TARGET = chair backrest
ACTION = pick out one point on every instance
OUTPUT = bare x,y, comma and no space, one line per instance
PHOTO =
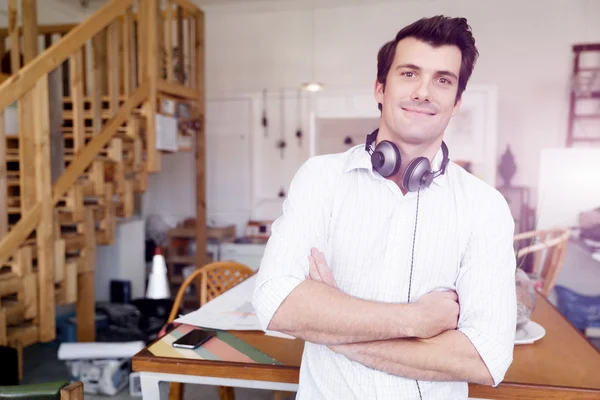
50,390
547,249
212,280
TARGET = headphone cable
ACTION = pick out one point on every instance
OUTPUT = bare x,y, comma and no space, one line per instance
412,260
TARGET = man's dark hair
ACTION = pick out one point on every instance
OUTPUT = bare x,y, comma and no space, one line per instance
435,31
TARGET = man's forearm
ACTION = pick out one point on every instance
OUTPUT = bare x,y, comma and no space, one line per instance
449,356
318,313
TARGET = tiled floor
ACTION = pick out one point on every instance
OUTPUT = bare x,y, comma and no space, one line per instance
42,365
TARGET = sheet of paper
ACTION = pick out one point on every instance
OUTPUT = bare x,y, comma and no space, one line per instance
98,350
166,132
232,310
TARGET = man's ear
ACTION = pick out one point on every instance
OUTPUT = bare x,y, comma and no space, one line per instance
378,91
456,108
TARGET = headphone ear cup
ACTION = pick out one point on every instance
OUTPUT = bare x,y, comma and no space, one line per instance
415,172
386,158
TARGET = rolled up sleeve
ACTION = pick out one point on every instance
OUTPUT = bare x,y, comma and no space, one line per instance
301,226
486,287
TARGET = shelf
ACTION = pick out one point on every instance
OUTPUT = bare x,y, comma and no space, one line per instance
182,232
181,260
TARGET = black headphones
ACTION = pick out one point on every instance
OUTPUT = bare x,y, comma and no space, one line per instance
386,161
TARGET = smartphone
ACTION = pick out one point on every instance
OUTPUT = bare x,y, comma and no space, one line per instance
194,339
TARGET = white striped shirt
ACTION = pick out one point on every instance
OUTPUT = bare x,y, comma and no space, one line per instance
364,226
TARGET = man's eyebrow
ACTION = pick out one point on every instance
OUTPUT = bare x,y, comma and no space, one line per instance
417,68
447,73
409,66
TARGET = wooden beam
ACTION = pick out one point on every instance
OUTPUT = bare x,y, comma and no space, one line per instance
178,90
23,265
169,42
23,81
45,29
84,308
76,77
14,41
77,98
189,7
45,228
128,63
74,391
192,52
23,228
30,31
153,64
28,296
200,154
3,338
25,111
141,46
26,152
3,44
60,258
113,66
3,180
180,44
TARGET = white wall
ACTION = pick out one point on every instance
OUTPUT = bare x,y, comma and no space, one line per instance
525,49
56,11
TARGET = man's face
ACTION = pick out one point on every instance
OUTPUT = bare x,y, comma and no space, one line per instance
420,93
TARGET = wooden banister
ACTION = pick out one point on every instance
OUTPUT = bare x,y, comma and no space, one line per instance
57,29
111,34
29,221
23,81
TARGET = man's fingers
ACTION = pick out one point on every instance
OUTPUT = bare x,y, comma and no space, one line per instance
451,295
313,270
323,269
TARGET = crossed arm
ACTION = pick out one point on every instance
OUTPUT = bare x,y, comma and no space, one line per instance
394,338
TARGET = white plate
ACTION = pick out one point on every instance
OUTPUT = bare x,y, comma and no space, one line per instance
530,333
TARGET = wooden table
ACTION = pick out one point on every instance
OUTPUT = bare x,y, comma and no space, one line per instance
562,365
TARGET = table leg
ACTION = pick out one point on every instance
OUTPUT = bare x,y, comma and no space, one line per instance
150,389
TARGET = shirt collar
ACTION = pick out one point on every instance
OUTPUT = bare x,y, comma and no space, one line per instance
360,159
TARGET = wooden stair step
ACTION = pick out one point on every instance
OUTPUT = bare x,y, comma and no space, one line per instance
23,334
73,241
89,131
71,157
12,181
65,215
11,156
14,311
13,201
105,98
10,283
87,114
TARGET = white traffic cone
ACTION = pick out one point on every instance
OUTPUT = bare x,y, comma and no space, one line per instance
158,282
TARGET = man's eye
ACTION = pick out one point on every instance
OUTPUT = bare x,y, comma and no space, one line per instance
445,81
408,74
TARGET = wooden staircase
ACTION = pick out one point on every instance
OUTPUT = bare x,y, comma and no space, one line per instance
115,83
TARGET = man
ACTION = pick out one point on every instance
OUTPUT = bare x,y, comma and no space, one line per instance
400,279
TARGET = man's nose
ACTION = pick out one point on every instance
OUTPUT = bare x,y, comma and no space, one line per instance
422,93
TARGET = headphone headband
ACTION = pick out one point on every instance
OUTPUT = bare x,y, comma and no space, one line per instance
371,137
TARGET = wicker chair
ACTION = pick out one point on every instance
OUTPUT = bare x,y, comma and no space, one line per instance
213,279
547,249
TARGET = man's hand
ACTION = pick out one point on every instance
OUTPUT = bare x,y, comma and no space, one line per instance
318,268
438,312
